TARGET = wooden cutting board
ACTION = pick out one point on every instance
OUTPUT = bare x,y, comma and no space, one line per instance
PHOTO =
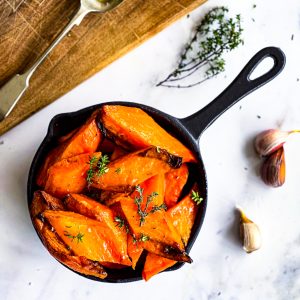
27,27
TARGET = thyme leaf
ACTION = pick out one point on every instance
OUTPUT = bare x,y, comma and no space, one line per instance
78,237
91,170
144,238
102,165
196,197
215,35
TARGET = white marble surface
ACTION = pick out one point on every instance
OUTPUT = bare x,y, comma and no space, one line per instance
221,270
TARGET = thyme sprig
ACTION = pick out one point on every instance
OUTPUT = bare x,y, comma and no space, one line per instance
122,224
78,237
216,34
102,165
97,166
143,213
196,197
91,170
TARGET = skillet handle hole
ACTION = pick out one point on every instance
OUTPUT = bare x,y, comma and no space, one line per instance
262,68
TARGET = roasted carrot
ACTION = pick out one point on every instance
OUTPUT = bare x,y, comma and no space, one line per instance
59,251
132,128
85,237
69,175
134,250
157,235
182,215
154,264
85,140
132,169
175,181
42,201
87,207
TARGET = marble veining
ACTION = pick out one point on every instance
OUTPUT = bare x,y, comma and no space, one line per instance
221,270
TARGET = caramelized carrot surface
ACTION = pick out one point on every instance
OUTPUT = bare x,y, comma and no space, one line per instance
182,215
175,181
132,169
85,237
135,129
87,207
85,140
58,249
69,175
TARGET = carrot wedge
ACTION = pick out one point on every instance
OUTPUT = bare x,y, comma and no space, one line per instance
155,264
85,140
132,169
87,207
59,251
134,250
132,128
175,181
68,175
182,215
85,237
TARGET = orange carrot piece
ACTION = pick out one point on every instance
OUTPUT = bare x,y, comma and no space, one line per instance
134,250
182,215
154,264
85,140
68,175
88,207
133,128
157,235
85,237
175,181
60,252
132,169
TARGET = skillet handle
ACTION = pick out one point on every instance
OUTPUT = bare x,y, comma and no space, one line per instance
241,86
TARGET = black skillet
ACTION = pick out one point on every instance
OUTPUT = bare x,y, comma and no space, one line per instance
188,130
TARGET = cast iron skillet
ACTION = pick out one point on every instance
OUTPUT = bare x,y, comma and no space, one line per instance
188,130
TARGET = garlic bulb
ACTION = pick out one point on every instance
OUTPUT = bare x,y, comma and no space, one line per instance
250,233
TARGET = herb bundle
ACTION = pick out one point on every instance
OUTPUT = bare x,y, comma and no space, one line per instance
215,35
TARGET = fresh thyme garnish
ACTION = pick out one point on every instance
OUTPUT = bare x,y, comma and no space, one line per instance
138,201
91,170
215,35
144,238
120,222
118,170
102,165
79,236
196,197
157,149
97,164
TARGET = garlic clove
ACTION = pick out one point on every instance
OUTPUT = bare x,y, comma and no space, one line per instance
271,140
273,169
250,233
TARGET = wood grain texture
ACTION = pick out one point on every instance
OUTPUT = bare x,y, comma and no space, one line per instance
27,27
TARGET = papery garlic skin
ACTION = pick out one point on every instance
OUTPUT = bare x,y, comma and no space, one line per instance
273,169
268,141
249,232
